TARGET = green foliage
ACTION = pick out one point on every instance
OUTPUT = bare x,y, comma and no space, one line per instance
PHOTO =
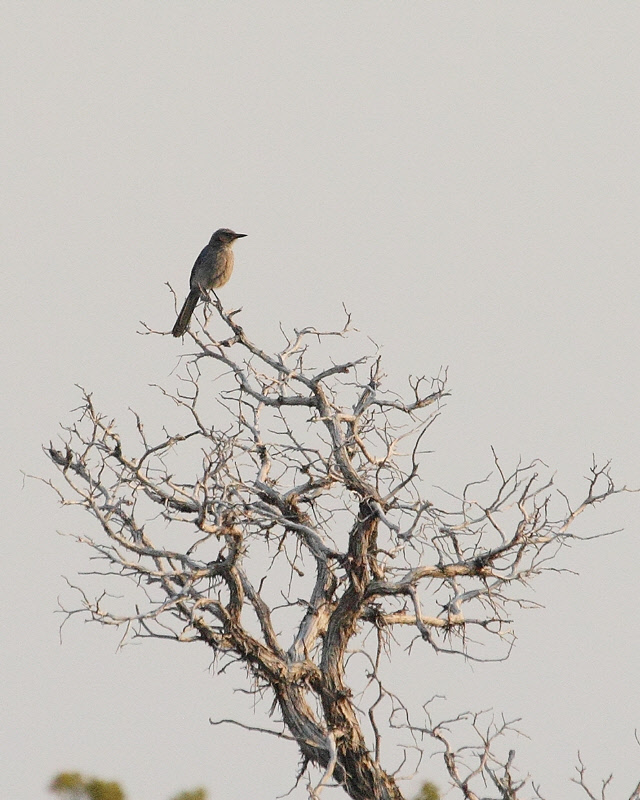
73,785
103,790
69,782
195,794
429,791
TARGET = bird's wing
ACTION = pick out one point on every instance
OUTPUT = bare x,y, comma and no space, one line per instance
197,269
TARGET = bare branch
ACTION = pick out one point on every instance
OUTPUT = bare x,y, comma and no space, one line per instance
287,529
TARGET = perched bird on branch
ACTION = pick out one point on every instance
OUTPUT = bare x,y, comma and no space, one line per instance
212,270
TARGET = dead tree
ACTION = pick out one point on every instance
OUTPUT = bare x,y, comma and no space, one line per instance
286,527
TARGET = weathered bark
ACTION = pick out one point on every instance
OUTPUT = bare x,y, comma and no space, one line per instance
364,779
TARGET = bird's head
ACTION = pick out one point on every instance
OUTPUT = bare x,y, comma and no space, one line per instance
226,236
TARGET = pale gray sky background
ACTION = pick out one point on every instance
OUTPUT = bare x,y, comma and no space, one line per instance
464,176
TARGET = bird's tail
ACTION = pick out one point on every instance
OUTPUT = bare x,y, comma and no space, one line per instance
184,317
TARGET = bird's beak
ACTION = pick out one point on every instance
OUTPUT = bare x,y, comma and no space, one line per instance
240,235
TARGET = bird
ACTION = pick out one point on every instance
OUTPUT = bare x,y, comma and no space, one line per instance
212,270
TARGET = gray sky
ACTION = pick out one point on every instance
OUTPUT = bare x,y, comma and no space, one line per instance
464,177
